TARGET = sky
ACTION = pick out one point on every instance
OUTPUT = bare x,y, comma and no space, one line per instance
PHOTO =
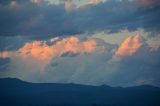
91,42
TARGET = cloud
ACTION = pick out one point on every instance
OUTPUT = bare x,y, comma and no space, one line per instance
69,5
134,59
94,1
43,21
89,61
148,3
41,53
4,54
123,66
81,68
10,43
88,2
40,49
35,41
129,64
4,60
130,46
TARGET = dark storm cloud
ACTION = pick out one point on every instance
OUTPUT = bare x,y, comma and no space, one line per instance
40,21
115,15
36,20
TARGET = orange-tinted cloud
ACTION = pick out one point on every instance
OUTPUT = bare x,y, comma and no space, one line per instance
36,55
41,51
69,5
4,54
94,1
129,46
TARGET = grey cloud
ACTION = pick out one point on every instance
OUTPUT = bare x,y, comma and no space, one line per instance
70,54
35,21
44,21
115,15
11,42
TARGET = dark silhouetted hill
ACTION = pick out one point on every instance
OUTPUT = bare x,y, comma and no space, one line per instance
14,92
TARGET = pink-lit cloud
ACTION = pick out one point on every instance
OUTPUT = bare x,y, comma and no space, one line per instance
41,51
69,5
129,46
94,1
4,54
95,64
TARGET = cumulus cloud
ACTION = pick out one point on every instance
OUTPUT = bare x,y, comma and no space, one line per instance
94,1
40,49
88,61
42,52
129,46
129,64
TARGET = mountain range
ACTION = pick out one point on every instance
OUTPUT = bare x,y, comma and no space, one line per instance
15,92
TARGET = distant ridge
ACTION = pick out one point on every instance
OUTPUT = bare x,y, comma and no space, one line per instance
14,92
